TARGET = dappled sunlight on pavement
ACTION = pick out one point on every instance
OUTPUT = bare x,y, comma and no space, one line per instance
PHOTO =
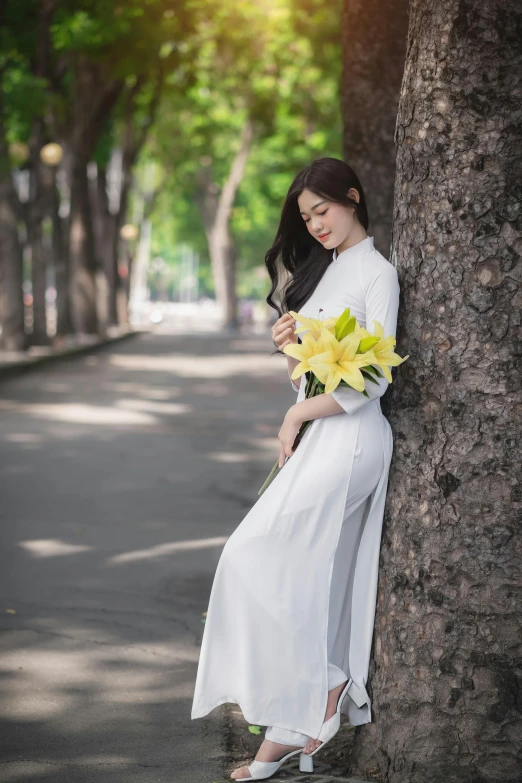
78,413
167,549
52,547
214,366
123,475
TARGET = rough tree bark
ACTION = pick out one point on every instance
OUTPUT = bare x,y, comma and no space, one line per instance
374,46
446,671
215,208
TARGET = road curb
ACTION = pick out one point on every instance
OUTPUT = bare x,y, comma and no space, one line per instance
10,369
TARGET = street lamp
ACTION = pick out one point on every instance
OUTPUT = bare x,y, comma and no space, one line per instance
129,231
51,154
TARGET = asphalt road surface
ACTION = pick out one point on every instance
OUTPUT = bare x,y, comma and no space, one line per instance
123,472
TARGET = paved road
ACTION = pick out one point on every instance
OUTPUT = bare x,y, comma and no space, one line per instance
122,474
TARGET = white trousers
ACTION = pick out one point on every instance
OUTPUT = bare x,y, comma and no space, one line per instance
340,598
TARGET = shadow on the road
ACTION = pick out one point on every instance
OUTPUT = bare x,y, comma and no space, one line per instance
123,474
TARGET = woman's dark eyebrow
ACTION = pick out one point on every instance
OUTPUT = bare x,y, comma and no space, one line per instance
315,205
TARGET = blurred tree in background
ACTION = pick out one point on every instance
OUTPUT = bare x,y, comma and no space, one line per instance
262,106
132,127
70,73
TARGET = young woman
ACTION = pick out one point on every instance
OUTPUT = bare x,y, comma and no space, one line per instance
291,613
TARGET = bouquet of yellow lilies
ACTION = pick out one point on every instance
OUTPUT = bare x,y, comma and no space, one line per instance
338,352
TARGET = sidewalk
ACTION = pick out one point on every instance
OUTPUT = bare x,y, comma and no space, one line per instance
17,362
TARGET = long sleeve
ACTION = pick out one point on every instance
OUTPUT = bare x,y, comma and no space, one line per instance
382,304
296,388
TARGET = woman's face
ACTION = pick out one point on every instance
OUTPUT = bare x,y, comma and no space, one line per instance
329,222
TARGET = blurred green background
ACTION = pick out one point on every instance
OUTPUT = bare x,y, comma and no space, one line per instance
146,150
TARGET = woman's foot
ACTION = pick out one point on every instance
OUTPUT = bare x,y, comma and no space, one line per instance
331,708
268,751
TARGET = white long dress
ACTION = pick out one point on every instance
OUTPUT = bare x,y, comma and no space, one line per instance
292,607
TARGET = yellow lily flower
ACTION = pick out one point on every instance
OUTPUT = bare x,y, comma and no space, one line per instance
340,361
313,325
304,352
384,353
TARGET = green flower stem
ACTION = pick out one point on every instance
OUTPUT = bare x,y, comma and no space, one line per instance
312,389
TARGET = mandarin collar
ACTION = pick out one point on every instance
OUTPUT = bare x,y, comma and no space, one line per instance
364,244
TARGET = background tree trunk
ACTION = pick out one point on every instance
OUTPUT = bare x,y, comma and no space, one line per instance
34,220
104,226
130,150
61,265
113,224
94,100
216,209
13,335
82,252
448,627
374,46
134,136
38,273
36,206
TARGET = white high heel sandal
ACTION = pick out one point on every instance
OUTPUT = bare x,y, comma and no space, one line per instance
260,770
331,726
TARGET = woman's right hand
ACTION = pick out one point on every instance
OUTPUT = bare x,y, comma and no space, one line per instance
283,331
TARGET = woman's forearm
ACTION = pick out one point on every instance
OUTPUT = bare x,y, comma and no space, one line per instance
315,408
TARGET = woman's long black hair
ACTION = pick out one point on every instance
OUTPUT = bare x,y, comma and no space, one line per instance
294,248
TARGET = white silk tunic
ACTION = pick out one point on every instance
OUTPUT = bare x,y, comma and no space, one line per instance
264,643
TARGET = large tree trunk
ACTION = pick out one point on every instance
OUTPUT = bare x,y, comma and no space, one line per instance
93,100
38,274
133,139
13,336
106,222
61,266
117,287
82,252
39,187
34,218
104,227
446,675
216,211
374,46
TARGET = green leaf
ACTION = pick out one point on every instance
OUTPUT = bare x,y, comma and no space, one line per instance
370,368
367,343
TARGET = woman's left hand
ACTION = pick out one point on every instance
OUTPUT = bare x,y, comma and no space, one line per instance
287,434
